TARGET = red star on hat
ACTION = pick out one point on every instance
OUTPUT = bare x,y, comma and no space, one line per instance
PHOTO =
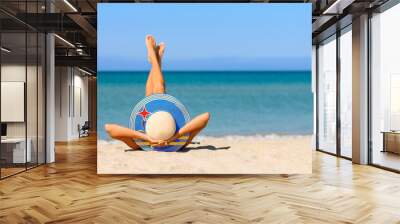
144,113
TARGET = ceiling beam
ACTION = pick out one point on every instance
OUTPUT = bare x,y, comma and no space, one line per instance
81,61
337,6
86,26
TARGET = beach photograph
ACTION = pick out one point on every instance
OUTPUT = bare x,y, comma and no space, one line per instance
180,93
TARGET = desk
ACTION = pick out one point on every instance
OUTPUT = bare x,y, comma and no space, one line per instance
391,141
13,150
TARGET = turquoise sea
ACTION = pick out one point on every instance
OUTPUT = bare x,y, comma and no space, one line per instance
240,103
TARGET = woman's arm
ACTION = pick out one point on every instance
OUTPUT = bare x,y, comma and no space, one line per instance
122,133
118,132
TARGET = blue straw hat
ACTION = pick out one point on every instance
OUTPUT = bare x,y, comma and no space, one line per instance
155,103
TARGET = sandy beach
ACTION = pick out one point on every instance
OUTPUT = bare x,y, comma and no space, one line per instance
214,155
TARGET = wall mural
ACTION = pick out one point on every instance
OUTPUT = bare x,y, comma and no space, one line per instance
204,88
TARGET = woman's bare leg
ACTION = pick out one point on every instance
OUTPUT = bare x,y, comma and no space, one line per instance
149,84
157,79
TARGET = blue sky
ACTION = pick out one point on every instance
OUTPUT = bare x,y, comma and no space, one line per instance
206,36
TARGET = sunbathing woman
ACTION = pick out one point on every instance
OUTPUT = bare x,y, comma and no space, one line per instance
156,85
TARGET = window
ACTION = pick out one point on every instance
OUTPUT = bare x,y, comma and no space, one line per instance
22,88
346,92
327,95
385,89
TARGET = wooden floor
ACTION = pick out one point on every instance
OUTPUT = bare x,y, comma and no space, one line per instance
5,172
387,159
70,191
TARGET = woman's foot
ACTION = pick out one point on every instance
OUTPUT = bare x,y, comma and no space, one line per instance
151,48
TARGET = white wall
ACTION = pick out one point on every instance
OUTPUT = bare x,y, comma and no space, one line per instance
61,103
71,87
80,110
